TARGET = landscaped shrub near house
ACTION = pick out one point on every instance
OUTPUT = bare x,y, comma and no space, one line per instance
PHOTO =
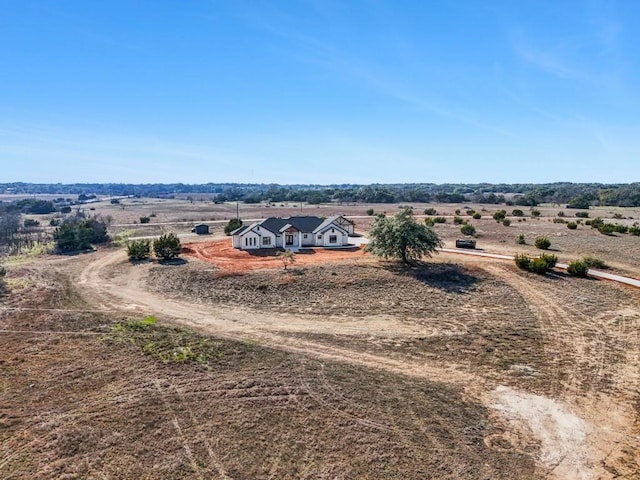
578,268
233,224
572,225
138,250
430,211
543,243
468,229
477,216
167,246
582,214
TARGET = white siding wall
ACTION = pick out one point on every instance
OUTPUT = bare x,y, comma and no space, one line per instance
250,241
235,241
309,241
272,239
341,238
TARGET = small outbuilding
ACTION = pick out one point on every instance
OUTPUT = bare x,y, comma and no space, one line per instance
201,229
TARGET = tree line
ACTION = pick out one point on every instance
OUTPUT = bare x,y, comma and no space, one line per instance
578,194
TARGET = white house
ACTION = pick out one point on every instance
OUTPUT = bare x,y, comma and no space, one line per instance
294,233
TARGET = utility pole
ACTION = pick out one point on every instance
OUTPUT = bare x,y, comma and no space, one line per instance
237,210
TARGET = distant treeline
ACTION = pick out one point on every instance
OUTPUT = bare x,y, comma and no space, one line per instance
578,195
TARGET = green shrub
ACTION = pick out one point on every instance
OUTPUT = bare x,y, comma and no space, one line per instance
634,230
606,228
500,215
621,228
471,212
506,222
429,222
543,243
559,220
618,216
594,262
167,246
145,219
578,268
543,263
370,212
523,261
138,250
430,211
468,229
517,213
572,225
520,239
595,222
233,224
457,211
477,216
582,214
458,220
561,214
3,271
439,220
535,213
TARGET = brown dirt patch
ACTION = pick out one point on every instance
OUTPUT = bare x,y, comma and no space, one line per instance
222,254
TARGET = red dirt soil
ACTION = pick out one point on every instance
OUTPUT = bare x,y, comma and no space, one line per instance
222,254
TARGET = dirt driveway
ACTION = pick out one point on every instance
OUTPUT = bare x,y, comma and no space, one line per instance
224,256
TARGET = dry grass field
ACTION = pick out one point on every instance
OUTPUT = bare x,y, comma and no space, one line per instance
343,368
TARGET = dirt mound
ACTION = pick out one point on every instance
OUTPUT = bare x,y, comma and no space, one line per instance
222,254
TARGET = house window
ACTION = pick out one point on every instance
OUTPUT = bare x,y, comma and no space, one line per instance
266,241
319,237
333,239
305,235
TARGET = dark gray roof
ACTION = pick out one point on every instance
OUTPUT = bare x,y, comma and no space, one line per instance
238,231
304,224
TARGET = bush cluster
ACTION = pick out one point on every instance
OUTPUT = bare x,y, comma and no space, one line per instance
477,216
167,246
458,220
543,243
468,229
540,265
582,214
520,239
430,211
139,250
233,224
572,225
500,215
578,268
439,220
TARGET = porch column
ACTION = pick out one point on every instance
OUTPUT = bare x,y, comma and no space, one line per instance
299,239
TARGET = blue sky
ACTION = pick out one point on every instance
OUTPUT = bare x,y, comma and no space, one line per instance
319,91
